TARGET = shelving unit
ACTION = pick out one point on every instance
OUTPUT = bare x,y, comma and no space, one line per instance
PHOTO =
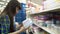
46,9
51,31
45,12
56,9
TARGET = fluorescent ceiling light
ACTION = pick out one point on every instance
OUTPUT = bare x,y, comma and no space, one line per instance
6,3
4,6
8,0
0,5
1,2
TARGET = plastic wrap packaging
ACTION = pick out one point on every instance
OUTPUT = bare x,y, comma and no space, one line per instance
28,22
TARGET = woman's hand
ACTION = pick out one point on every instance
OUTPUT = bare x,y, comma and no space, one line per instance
18,25
19,31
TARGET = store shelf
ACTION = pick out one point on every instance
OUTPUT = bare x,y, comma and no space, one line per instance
52,9
51,31
56,9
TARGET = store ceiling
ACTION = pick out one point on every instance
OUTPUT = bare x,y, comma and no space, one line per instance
3,2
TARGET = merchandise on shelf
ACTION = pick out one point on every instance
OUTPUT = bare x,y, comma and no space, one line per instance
47,20
57,20
38,30
51,20
50,4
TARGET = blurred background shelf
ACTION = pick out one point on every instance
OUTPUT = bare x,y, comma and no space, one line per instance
51,31
47,6
56,9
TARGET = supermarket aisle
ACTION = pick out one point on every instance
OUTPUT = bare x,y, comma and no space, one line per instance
45,15
35,17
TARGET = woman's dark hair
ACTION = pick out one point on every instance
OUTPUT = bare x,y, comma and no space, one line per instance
11,11
11,7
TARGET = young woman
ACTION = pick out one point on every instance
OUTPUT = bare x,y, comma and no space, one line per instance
6,18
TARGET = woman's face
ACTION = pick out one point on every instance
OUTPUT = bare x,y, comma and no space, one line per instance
17,9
